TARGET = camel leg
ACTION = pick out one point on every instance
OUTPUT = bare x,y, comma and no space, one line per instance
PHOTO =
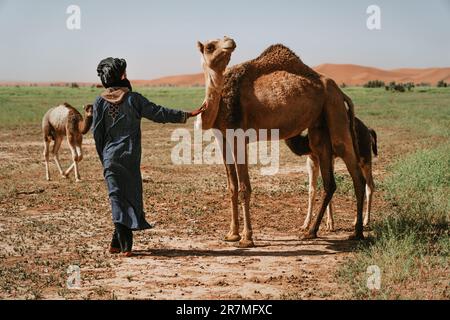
245,191
79,157
69,170
330,212
46,157
55,153
233,235
330,219
232,183
370,188
312,166
338,119
72,166
75,157
321,146
359,184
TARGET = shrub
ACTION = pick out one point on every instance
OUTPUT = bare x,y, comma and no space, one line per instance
410,86
399,87
374,84
442,84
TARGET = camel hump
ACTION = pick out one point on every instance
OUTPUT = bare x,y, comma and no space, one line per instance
279,53
278,57
71,109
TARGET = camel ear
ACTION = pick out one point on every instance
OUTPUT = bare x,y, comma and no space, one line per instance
200,46
88,107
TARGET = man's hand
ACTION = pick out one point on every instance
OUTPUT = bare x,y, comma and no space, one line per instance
198,111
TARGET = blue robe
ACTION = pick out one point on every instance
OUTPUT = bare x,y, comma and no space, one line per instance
117,138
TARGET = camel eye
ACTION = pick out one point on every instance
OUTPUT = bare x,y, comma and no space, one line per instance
210,47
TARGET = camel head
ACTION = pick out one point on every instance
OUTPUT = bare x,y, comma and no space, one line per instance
216,54
88,109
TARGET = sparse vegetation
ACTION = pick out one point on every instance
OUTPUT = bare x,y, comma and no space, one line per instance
410,242
410,239
400,87
374,84
442,84
42,234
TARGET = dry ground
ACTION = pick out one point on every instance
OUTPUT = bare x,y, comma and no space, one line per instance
47,226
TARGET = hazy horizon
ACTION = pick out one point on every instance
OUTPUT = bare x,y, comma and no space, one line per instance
158,39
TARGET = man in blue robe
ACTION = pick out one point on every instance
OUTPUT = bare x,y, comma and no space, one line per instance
117,133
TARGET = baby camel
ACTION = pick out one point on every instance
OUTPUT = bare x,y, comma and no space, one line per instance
367,142
65,121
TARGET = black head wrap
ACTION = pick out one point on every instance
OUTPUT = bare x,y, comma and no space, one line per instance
111,70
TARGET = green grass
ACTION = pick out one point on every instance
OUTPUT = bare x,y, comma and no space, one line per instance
411,241
22,106
425,111
410,238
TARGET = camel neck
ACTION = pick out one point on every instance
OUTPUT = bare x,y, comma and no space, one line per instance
214,85
85,124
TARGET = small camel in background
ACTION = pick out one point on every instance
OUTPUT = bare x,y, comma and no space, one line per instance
367,142
65,121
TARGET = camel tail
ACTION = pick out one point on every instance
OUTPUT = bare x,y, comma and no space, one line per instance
351,113
374,138
299,145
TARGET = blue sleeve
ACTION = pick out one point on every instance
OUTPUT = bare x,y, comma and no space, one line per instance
98,128
157,113
96,113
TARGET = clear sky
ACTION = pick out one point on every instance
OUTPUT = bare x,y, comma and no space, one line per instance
158,38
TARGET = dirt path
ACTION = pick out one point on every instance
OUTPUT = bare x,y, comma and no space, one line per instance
48,226
199,268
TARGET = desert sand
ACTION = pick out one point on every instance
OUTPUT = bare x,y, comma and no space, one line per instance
351,75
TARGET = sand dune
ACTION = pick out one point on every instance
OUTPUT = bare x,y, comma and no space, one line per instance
341,73
188,80
352,75
358,75
46,84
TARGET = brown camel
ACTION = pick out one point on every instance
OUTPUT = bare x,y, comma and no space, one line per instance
367,143
278,91
65,121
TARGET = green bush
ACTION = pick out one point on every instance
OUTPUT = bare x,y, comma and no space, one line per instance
400,87
374,84
442,84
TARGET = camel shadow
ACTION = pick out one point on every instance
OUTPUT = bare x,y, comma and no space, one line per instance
332,247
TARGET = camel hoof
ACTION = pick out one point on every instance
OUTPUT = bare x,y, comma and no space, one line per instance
232,238
356,236
330,229
304,228
64,176
246,244
308,236
78,181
